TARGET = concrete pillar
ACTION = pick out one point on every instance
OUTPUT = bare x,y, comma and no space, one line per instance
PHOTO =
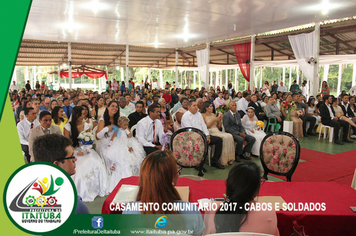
207,66
252,64
261,78
127,65
354,75
176,69
290,76
161,78
59,75
284,76
194,82
70,64
236,80
314,85
339,78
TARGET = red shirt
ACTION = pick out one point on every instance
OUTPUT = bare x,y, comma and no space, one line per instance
167,97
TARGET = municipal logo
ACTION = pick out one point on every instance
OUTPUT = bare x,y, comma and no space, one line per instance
39,197
161,222
97,222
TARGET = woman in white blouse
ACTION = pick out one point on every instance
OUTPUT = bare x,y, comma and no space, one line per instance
312,110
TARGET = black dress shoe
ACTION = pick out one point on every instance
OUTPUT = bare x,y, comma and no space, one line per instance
203,169
243,156
311,134
217,165
237,159
305,135
338,142
347,141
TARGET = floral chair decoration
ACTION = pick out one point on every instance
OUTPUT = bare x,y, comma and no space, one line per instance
190,147
279,154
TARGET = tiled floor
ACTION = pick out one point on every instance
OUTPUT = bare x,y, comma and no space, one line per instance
213,173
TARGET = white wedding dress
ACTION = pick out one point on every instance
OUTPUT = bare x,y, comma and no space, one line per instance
120,163
258,134
91,178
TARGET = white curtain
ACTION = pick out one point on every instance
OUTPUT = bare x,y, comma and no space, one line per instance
302,46
202,59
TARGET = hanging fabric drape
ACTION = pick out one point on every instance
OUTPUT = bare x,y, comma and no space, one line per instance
202,59
93,75
302,46
243,56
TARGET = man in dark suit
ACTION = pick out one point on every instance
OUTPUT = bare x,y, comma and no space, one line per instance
328,118
233,125
346,109
258,108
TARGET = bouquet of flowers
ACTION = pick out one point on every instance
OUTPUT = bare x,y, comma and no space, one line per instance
191,97
86,138
260,124
166,138
288,107
223,109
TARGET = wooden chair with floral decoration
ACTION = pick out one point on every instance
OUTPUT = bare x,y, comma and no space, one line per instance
190,147
279,154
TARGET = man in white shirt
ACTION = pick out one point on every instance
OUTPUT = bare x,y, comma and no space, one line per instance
149,130
242,104
24,127
124,109
282,88
193,118
142,85
129,104
14,86
114,85
155,84
36,106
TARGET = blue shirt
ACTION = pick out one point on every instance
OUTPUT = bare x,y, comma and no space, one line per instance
81,207
43,108
67,111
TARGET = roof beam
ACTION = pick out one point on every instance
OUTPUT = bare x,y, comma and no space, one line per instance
116,57
184,58
340,41
162,59
277,50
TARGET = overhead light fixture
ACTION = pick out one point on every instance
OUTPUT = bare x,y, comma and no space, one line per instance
95,6
325,7
118,68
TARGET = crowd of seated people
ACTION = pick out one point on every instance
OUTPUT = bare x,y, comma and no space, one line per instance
227,117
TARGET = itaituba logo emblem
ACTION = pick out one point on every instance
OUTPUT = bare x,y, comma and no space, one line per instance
48,199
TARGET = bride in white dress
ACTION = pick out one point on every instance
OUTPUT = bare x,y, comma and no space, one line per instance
249,122
117,167
90,178
125,148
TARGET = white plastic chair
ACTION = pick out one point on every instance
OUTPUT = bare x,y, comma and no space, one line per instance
133,128
330,132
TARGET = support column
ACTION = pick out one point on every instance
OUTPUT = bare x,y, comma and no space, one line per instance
297,74
34,77
149,76
176,69
326,72
339,80
284,76
127,65
185,79
70,64
199,80
206,84
236,81
252,64
59,75
211,80
290,77
226,78
161,78
221,80
314,84
122,74
354,75
194,82
261,78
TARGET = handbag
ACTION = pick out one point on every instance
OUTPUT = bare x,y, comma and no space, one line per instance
298,230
